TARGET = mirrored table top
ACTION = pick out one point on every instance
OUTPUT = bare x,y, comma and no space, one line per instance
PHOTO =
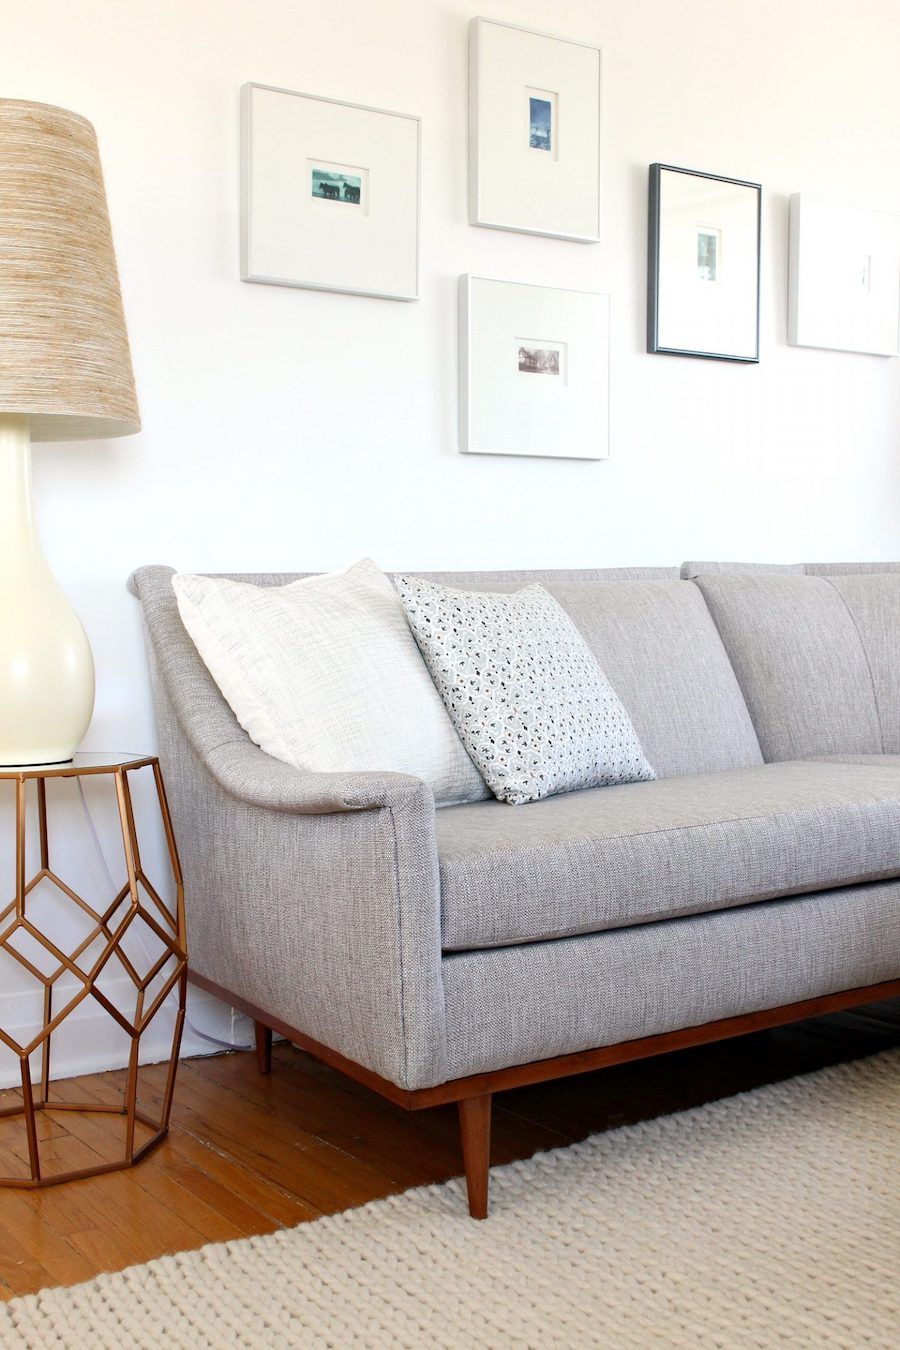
84,762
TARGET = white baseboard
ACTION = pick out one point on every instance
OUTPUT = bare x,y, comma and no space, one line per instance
90,1042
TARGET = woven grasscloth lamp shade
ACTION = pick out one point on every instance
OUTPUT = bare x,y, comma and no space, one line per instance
64,356
65,374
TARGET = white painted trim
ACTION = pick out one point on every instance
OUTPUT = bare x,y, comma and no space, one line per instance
94,1044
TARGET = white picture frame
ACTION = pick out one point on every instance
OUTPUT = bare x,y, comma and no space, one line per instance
534,132
330,196
844,277
533,369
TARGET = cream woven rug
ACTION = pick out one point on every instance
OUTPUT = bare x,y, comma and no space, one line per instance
770,1219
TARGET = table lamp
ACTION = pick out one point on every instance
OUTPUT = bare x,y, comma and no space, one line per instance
65,375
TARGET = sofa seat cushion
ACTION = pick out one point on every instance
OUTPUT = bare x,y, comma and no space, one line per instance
610,857
885,761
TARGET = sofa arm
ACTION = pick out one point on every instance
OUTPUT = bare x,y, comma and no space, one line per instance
313,897
248,773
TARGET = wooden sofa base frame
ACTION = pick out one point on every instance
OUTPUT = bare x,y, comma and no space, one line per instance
473,1094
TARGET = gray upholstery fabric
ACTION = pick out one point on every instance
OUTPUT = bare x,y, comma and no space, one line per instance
299,899
516,1004
578,576
848,569
873,602
254,777
590,861
870,592
691,570
500,580
799,661
886,761
660,651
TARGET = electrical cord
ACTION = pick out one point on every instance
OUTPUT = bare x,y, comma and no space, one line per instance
203,1035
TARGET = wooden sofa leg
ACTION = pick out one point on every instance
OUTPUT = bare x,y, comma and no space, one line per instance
263,1047
475,1129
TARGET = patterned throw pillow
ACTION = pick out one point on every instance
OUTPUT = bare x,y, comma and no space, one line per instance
530,703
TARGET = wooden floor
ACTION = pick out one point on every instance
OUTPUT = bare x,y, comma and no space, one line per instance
249,1155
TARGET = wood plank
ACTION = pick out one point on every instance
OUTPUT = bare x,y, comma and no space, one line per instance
159,1177
274,1203
238,1216
279,1208
274,1146
44,1253
22,1274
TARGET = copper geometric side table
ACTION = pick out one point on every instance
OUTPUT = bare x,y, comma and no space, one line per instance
136,944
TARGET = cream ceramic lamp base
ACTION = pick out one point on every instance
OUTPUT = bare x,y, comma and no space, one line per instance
46,667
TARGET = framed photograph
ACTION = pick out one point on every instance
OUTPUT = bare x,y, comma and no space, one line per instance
329,195
703,265
534,132
533,370
844,278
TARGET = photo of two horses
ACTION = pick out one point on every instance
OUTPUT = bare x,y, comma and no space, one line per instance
336,187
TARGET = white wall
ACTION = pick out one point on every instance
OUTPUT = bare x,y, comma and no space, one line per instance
288,429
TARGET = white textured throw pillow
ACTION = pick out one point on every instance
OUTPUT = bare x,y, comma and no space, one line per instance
533,708
325,675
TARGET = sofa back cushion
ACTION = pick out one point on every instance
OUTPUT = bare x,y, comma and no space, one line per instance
873,602
802,662
653,637
655,640
691,570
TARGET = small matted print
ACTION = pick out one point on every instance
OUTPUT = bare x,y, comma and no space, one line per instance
337,185
704,247
540,357
534,370
708,254
534,132
540,121
329,194
539,360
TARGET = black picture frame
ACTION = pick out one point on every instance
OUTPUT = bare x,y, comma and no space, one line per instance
655,282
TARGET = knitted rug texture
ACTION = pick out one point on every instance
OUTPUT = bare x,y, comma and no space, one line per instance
768,1219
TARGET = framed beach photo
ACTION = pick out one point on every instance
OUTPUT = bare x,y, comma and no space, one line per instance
844,277
534,132
533,370
329,194
703,265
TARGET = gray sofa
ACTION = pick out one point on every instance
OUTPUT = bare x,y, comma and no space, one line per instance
445,955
